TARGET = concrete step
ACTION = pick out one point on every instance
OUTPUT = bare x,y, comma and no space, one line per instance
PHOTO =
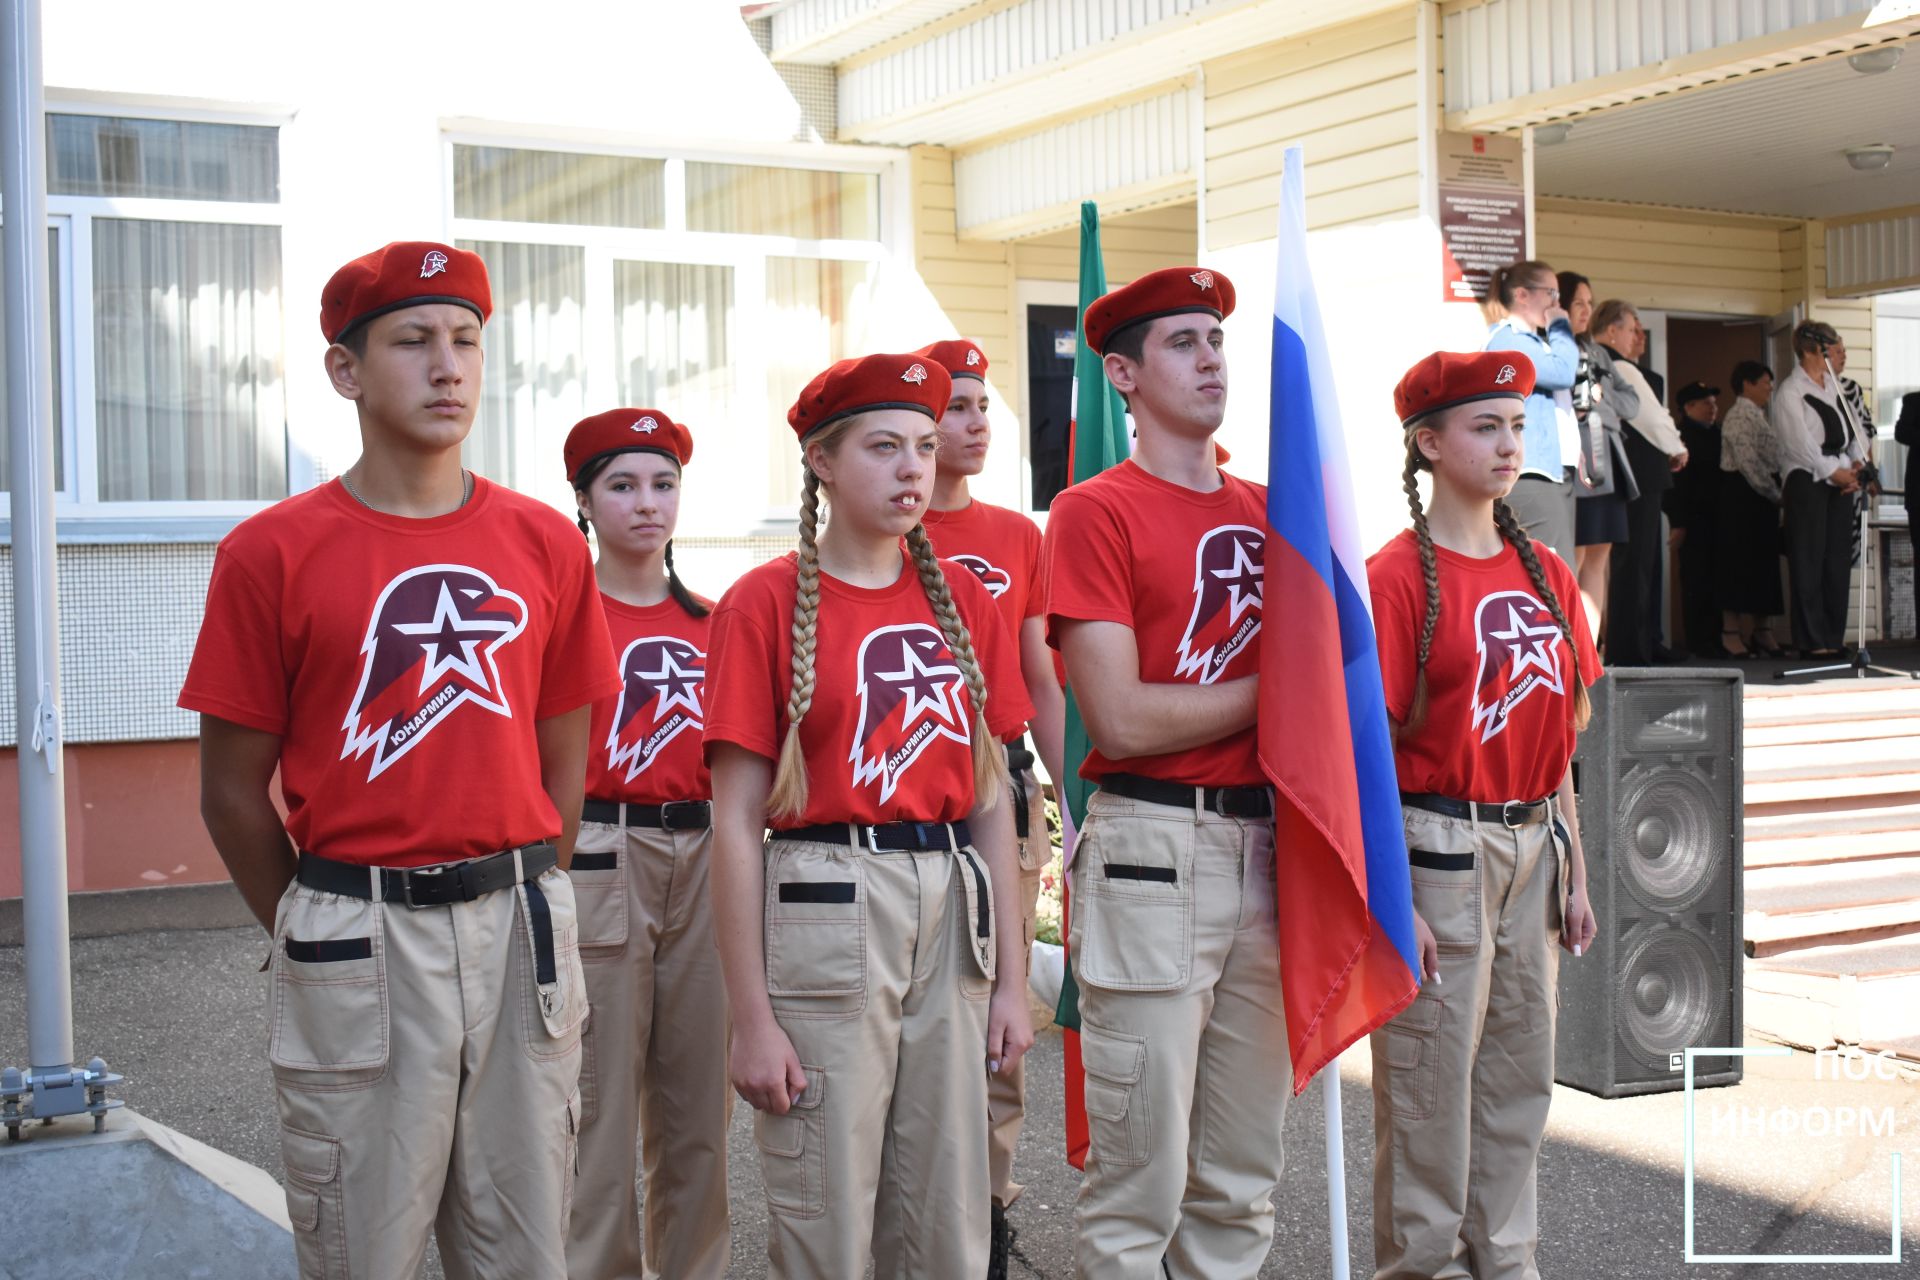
1837,761
1833,815
1864,728
1827,848
1769,935
1864,993
1784,697
1783,890
1819,787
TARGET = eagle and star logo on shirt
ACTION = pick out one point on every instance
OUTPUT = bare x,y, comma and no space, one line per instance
1518,643
1228,580
447,622
659,700
912,693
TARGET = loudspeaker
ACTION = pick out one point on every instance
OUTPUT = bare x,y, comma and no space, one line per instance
1657,774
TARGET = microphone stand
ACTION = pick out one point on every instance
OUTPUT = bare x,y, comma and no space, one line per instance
1862,661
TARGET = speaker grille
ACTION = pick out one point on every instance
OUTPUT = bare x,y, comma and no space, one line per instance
1670,837
1670,993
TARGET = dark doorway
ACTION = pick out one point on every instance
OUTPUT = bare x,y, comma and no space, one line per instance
1706,351
1700,350
1052,333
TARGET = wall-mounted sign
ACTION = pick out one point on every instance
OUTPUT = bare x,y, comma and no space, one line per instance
1483,211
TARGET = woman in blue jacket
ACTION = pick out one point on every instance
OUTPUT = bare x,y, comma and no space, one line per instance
1536,326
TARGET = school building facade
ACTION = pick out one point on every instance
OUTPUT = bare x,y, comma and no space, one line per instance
700,210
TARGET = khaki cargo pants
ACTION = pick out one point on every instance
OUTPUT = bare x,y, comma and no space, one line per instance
1007,1093
1462,1078
653,1072
1176,947
880,966
423,1084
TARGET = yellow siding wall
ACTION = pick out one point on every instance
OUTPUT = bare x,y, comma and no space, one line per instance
1851,317
1133,245
971,280
1667,259
1349,95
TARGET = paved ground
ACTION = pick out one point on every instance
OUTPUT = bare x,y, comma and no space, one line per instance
180,1014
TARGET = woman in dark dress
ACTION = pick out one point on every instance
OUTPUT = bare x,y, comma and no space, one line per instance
1748,554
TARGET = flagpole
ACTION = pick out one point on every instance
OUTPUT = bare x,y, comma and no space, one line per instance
1336,1170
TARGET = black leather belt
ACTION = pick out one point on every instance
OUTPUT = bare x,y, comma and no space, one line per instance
675,815
888,837
437,886
1228,802
1508,813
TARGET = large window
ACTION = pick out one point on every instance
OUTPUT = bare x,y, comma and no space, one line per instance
168,333
709,290
56,359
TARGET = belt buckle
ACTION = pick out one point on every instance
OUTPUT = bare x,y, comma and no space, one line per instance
873,843
1506,814
669,811
424,874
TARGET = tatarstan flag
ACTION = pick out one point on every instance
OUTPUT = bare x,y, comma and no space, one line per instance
1096,440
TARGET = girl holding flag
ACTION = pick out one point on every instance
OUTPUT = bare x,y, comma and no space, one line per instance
1486,676
863,689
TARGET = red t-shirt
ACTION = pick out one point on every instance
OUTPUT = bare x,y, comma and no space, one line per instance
404,664
645,747
889,735
1002,548
1184,570
1499,679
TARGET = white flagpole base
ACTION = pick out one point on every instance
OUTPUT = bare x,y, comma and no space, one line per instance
1336,1171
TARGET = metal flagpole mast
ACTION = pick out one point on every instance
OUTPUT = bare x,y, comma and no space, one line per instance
1336,1170
52,1085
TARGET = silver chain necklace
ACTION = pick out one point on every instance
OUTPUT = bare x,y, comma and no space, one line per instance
466,490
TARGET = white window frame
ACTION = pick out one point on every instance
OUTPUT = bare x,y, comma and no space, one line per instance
72,274
674,244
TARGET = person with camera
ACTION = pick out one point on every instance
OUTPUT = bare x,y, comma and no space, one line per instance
1823,456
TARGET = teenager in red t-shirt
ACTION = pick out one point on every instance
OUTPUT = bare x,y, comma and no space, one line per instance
1486,675
656,1046
1154,596
1002,548
415,650
860,693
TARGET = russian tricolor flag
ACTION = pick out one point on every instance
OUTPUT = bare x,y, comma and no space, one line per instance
1348,960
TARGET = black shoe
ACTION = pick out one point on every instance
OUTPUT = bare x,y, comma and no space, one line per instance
1665,657
997,1246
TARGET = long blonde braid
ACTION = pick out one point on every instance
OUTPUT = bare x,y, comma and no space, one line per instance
990,776
1510,529
1429,572
788,799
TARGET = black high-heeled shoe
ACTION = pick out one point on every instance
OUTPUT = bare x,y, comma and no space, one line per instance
1771,649
1729,637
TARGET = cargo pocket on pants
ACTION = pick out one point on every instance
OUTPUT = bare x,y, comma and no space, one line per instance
329,1017
1413,1044
816,933
1118,1120
793,1152
314,1203
1444,862
599,874
553,985
976,976
1133,904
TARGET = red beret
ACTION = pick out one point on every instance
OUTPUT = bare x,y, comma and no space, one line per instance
960,357
626,431
864,383
407,273
1170,292
1447,378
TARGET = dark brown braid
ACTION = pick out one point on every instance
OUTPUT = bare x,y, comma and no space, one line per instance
1429,572
1510,529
